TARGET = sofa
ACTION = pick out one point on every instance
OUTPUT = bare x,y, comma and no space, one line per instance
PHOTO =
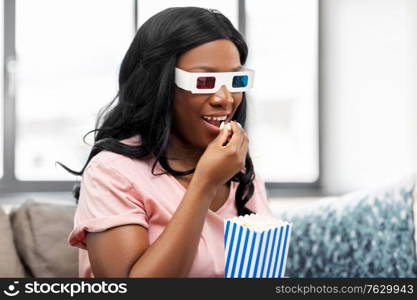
33,240
367,233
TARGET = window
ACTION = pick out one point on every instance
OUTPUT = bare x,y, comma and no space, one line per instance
283,106
68,56
62,62
1,89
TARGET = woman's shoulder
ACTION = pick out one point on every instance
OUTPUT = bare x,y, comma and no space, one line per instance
259,200
120,162
132,141
258,181
106,156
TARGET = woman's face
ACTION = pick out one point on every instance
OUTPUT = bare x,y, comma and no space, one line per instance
188,109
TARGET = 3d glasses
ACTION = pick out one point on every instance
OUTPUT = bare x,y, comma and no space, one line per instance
207,83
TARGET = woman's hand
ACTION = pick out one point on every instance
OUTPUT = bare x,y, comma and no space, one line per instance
224,157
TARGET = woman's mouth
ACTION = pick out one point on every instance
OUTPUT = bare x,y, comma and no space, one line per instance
213,123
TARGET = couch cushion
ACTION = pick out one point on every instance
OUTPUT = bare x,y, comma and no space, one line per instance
415,212
10,265
40,232
368,233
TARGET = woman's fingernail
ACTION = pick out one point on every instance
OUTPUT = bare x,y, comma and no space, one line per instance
229,126
239,125
221,125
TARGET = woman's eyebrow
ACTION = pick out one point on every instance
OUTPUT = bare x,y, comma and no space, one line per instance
210,69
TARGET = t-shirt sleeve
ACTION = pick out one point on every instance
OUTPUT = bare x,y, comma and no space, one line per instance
259,202
107,199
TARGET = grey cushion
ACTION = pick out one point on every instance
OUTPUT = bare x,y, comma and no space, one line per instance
40,232
369,233
10,265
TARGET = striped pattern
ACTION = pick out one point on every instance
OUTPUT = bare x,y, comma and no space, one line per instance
252,254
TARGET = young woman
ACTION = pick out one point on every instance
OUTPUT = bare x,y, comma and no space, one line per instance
162,175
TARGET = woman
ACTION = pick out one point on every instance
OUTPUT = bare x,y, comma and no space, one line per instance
162,176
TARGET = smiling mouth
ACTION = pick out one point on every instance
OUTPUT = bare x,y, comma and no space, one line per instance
216,121
213,122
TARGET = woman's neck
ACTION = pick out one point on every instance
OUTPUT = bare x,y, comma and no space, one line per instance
181,156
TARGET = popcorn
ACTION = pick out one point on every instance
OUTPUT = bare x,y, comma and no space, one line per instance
256,246
223,124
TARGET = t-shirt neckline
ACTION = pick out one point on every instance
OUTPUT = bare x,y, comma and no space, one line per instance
183,189
219,210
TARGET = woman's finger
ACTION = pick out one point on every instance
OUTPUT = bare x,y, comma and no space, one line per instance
237,134
223,135
245,137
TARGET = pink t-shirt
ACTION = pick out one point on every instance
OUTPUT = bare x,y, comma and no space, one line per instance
117,190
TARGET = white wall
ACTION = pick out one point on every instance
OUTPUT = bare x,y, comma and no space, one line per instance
369,92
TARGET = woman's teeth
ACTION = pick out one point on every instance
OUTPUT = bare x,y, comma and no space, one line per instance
213,122
216,121
222,118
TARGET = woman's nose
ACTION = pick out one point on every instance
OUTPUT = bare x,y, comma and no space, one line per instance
222,97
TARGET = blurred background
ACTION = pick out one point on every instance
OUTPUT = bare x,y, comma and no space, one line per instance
333,109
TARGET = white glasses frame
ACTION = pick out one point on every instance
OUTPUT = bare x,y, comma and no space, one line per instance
187,80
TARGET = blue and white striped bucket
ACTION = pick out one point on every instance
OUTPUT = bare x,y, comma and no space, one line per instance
255,254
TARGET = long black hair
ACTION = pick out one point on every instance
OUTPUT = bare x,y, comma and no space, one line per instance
142,106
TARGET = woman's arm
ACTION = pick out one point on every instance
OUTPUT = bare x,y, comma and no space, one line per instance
172,254
124,251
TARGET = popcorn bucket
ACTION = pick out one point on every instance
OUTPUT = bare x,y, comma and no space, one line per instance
256,246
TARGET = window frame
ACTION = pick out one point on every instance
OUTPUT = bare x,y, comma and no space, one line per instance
10,184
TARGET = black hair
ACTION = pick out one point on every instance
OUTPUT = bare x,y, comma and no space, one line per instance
142,106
